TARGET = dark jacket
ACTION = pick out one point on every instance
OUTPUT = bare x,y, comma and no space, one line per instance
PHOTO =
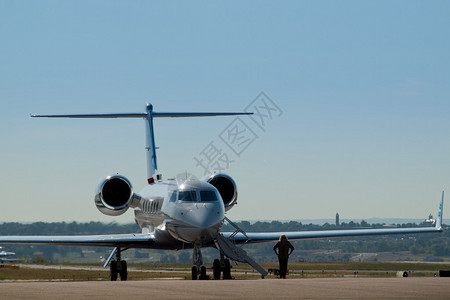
283,249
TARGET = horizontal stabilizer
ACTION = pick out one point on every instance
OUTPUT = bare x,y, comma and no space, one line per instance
122,115
152,166
144,115
198,114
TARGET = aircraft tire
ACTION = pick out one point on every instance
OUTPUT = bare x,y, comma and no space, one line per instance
113,270
227,269
194,273
203,273
123,271
216,269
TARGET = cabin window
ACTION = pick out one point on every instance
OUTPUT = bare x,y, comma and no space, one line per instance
188,196
208,196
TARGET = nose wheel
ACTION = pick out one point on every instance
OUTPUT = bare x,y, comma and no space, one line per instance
199,275
198,271
194,273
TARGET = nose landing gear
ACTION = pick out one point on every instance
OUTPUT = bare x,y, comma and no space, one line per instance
198,269
220,266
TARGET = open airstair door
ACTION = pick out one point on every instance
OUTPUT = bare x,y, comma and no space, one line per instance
230,250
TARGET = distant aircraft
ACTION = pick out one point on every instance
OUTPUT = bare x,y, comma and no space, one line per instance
181,214
4,256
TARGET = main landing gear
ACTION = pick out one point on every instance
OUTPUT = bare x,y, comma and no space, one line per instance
118,266
222,266
219,266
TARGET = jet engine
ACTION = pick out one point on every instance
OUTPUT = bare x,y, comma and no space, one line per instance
226,187
115,195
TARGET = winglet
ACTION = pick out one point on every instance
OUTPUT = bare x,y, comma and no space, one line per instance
439,218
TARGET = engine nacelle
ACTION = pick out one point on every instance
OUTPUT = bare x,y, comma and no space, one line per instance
115,195
226,187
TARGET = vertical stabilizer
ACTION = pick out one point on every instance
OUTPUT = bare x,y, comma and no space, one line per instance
441,207
152,166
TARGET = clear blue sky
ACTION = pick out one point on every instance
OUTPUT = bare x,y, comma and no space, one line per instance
364,89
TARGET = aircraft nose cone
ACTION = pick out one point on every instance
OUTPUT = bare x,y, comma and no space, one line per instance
202,223
204,216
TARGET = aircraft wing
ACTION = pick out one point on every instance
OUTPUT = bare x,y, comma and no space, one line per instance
113,240
259,237
2,260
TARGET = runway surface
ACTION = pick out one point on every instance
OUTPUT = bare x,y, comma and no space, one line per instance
306,288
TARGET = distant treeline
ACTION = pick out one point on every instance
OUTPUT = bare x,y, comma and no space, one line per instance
428,246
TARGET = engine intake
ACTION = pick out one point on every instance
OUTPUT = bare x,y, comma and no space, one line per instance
114,195
226,187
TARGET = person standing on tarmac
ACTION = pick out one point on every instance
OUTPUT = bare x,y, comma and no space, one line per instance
285,249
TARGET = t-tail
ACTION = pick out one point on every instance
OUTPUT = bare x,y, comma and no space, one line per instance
152,164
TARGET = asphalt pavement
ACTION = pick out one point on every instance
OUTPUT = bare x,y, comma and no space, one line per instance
305,288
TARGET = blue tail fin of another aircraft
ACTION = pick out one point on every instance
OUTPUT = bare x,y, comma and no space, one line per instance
440,212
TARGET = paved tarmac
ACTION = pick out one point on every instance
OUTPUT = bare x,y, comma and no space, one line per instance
305,288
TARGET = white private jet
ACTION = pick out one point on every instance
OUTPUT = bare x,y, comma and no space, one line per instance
5,256
182,214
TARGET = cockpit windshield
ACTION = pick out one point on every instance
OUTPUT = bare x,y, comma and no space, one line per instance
208,196
192,196
173,198
187,196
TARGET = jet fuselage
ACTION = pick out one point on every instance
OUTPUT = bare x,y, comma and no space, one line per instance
190,212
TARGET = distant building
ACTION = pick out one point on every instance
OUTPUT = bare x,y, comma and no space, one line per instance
430,222
337,220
